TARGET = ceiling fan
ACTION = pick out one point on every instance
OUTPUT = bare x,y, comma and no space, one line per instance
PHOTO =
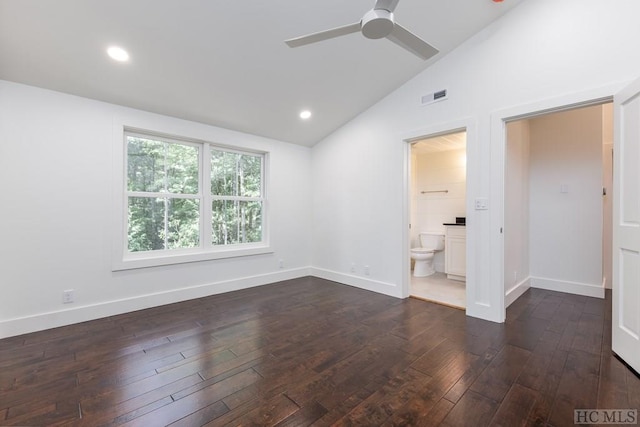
375,24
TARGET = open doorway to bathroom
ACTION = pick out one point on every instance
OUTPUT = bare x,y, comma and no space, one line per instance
438,219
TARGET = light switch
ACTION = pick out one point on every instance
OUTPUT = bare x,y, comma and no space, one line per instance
482,204
564,188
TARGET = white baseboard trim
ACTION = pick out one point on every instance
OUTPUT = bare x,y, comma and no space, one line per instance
596,291
358,282
54,319
516,292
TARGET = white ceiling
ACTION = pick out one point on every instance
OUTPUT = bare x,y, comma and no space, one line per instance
436,144
225,63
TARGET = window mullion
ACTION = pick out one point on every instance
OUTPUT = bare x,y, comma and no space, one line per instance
166,200
158,195
263,197
238,198
205,191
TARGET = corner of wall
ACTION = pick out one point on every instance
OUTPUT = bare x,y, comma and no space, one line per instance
516,292
358,282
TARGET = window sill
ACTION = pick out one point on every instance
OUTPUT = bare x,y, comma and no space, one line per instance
147,259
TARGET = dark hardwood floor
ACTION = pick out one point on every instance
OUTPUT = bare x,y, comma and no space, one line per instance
313,352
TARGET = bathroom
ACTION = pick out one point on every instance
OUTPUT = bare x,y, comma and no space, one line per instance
438,219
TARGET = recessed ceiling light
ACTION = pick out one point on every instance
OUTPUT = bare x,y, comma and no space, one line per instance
305,114
118,53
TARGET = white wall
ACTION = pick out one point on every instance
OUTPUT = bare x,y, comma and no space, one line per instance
542,49
516,210
566,227
56,215
445,170
413,187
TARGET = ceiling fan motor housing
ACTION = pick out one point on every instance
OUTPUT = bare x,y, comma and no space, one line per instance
377,23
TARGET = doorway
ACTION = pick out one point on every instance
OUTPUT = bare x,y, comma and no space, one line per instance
557,210
438,218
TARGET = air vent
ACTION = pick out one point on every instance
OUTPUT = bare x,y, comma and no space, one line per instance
430,98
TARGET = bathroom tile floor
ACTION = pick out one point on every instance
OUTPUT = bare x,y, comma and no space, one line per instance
438,288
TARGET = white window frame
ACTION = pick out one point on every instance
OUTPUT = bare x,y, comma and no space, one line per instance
125,260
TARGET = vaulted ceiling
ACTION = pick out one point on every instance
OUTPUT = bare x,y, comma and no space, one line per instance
225,63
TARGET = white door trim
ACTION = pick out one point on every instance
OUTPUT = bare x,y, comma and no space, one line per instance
469,125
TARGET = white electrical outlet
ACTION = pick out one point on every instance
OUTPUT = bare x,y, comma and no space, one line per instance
67,296
281,263
367,270
353,267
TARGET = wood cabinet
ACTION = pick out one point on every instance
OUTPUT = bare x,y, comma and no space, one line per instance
455,248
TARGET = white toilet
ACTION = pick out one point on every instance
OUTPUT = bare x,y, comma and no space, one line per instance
430,243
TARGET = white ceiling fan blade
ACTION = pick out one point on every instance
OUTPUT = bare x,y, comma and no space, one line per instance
389,5
323,35
414,44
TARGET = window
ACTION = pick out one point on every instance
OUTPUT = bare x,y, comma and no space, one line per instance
163,195
236,190
185,197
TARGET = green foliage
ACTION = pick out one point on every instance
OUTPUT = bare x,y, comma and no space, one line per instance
235,174
236,221
146,224
159,223
158,166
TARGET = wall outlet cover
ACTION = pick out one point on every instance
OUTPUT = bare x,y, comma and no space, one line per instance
67,296
482,204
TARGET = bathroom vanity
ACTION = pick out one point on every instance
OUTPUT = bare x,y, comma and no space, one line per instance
455,262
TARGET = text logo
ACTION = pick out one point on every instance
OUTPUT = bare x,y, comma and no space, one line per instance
605,416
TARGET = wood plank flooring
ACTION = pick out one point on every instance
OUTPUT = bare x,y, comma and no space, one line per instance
313,352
